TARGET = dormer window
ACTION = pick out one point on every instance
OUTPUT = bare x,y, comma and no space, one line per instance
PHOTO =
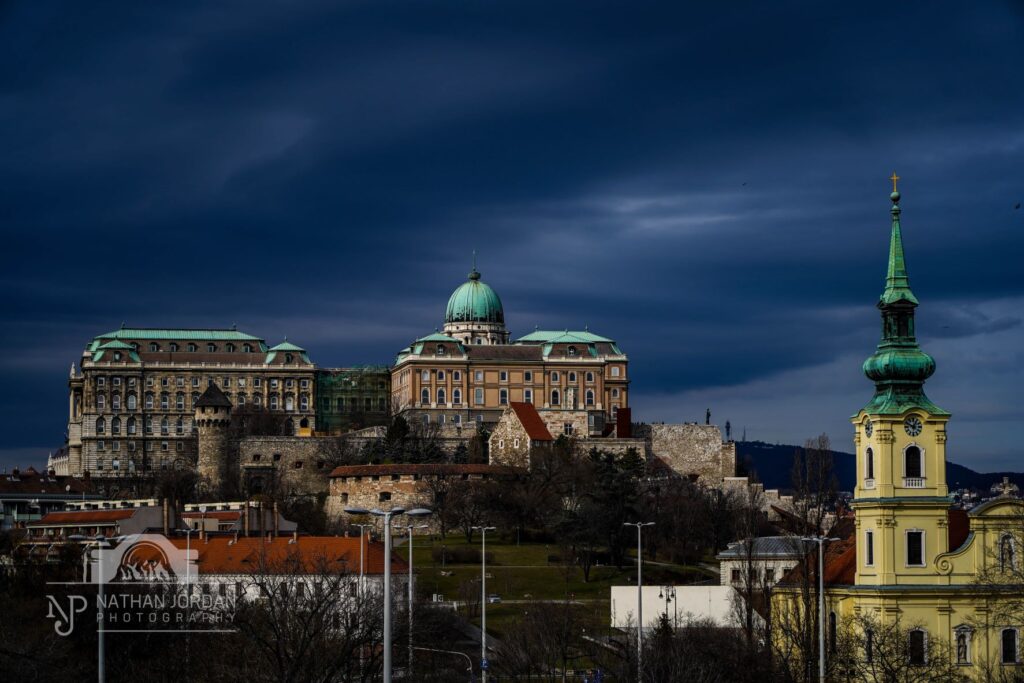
192,348
247,348
572,351
230,348
289,358
174,347
211,348
154,347
440,349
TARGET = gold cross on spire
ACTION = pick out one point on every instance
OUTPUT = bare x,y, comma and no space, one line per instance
894,179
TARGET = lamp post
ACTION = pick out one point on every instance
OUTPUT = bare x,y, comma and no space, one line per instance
362,528
668,593
820,540
409,528
639,596
483,600
387,515
101,543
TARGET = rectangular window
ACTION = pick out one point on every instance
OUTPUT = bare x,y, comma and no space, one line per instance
195,381
528,395
304,384
425,376
503,397
478,396
101,381
735,576
257,382
869,548
503,376
528,376
179,381
478,375
769,574
554,376
116,381
241,381
164,446
1009,646
915,548
456,376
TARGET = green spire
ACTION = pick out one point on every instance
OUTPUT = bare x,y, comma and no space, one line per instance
897,283
898,367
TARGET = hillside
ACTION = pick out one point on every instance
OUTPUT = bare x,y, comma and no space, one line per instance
773,462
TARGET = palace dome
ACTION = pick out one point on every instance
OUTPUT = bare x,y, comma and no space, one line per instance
474,302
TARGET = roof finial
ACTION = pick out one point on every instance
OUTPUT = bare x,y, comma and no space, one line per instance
123,324
474,274
895,179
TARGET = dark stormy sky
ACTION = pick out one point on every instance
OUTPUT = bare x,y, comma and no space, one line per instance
706,184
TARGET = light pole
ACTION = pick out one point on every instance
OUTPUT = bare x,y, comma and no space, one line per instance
393,512
639,596
362,528
101,543
483,601
409,528
469,662
820,540
669,595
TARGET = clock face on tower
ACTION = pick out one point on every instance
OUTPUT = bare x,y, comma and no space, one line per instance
868,428
912,425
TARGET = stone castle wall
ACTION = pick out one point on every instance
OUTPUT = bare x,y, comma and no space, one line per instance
293,464
692,450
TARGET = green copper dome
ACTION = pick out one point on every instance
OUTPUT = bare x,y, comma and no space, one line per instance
474,302
898,367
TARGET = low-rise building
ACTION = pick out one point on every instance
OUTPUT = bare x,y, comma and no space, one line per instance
27,495
766,559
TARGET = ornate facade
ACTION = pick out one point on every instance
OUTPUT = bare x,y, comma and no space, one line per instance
132,400
472,372
944,575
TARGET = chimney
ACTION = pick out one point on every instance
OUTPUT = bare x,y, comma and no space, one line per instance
276,522
245,519
167,519
295,537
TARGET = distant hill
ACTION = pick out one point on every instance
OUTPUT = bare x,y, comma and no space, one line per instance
773,464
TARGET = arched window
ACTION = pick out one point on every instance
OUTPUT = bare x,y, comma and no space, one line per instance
457,396
289,402
425,396
192,348
1009,646
132,402
164,426
869,464
1007,553
149,401
590,378
918,647
962,643
101,402
154,347
247,348
165,400
304,423
440,375
556,397
115,426
230,348
174,347
912,465
273,401
115,402
179,401
590,397
101,425
131,425
289,427
211,348
572,377
441,395
179,426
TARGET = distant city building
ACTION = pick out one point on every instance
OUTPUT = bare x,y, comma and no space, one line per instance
470,371
27,495
132,400
352,398
766,559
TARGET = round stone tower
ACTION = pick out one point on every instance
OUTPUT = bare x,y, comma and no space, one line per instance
213,417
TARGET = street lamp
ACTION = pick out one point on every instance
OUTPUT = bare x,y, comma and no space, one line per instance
362,528
821,541
101,543
483,600
639,596
409,528
669,595
387,515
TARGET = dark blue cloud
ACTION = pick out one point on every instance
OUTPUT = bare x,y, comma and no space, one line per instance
707,185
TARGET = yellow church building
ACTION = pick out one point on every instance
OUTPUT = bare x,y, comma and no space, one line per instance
950,580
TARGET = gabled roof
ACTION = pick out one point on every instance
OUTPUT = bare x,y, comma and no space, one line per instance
286,346
531,421
213,397
116,344
437,337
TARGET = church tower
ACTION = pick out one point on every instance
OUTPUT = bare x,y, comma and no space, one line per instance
901,497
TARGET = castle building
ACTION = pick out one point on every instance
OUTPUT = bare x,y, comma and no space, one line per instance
132,402
945,575
352,398
472,371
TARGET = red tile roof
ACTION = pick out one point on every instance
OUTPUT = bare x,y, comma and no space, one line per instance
79,517
425,468
840,557
225,515
530,419
225,555
30,481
